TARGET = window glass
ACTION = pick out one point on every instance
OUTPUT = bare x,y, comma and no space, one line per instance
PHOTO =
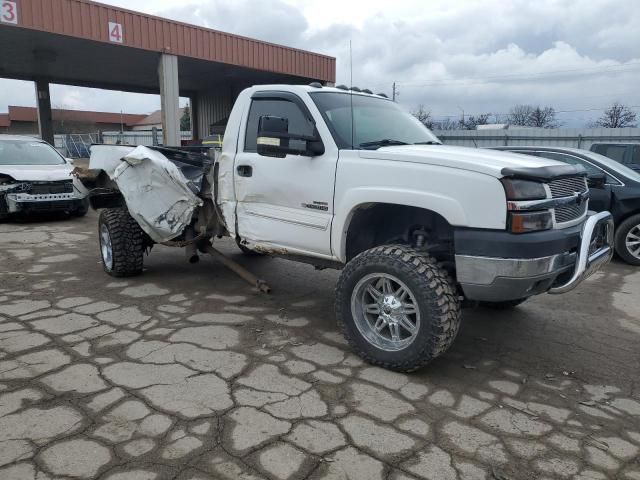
374,119
570,159
299,124
616,152
617,167
635,158
21,152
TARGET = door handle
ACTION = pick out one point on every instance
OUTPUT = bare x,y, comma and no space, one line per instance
245,170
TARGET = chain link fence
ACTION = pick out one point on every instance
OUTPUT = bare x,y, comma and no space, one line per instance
76,145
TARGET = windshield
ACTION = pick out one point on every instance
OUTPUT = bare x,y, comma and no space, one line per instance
25,152
614,166
377,122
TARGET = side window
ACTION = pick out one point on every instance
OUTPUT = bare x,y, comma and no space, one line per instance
299,124
570,159
615,152
635,158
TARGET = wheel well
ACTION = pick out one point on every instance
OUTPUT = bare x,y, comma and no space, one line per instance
377,224
624,218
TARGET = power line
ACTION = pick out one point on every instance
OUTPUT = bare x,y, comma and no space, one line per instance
524,76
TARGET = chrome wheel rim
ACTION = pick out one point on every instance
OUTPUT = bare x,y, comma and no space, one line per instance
632,241
105,247
385,312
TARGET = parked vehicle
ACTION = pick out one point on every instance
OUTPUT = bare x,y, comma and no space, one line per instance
625,153
34,178
349,180
613,187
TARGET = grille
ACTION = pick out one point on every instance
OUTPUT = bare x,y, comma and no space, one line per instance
570,212
59,206
567,187
46,188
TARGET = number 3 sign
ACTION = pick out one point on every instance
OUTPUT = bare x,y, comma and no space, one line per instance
115,32
8,12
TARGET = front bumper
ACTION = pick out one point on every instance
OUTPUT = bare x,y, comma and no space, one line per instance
27,203
496,279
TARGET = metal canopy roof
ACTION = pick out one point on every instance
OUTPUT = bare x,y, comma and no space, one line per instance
68,42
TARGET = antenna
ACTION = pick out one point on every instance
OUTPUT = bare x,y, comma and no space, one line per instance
351,91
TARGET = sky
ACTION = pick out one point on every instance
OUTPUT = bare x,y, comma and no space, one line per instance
453,56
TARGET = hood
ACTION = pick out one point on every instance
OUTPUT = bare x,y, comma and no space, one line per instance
37,173
489,162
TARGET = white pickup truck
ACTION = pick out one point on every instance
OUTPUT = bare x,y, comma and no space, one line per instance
349,180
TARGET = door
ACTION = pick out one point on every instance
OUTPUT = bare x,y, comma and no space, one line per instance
285,204
599,198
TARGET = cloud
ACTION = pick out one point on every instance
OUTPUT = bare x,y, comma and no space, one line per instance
480,56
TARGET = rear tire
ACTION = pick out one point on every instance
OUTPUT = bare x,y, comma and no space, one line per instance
627,233
506,305
409,317
121,243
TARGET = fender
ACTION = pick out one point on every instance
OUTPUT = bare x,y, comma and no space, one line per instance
449,208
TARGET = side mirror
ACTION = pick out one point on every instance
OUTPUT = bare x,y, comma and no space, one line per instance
274,139
597,180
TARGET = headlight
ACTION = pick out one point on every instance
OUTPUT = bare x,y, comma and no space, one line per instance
522,222
523,189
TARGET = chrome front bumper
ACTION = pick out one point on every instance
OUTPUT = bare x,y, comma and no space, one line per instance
500,279
596,250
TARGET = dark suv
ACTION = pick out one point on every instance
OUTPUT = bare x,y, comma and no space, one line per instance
626,153
612,186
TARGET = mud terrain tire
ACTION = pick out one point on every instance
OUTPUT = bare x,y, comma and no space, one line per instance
431,293
120,235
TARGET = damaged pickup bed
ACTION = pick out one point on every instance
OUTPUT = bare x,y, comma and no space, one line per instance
418,229
155,195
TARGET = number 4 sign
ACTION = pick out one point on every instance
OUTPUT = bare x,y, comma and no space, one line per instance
8,12
115,32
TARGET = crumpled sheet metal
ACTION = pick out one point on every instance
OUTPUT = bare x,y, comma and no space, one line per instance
157,193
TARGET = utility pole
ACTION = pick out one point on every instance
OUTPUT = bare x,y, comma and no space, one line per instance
393,96
462,110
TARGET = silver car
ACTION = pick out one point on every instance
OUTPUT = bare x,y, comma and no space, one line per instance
35,177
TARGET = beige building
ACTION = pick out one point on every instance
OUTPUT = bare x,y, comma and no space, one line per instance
153,120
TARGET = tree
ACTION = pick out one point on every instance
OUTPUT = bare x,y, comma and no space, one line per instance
520,115
423,115
543,117
472,121
533,116
617,116
185,120
447,124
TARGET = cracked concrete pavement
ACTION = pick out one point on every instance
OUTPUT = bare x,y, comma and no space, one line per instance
187,373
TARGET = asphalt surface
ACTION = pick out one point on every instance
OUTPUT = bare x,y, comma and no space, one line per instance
186,372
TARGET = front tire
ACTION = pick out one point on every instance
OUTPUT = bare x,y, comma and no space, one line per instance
397,307
121,243
627,240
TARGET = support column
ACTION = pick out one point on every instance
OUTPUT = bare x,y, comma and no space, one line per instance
196,134
169,99
45,120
